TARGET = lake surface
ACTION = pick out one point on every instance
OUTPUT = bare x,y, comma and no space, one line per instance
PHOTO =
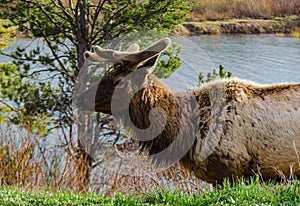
264,59
260,58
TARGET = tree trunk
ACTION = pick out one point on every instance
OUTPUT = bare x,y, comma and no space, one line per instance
84,161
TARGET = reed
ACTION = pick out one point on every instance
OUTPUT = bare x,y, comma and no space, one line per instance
228,9
31,162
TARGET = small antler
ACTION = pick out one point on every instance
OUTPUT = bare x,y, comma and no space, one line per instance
103,55
132,54
150,51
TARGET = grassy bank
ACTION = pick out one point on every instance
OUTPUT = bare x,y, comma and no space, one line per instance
242,17
236,194
288,25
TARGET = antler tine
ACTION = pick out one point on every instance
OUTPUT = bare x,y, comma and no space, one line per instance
100,55
150,51
133,48
93,57
160,45
104,53
131,54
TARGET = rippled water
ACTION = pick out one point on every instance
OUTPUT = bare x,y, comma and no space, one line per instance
264,59
261,58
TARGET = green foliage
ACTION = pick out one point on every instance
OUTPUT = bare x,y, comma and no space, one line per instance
52,18
6,32
28,102
165,68
157,15
251,192
222,73
37,89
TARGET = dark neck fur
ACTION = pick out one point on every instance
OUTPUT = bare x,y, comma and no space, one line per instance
155,95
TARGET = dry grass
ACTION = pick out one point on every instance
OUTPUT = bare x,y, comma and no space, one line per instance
27,160
296,32
228,9
31,162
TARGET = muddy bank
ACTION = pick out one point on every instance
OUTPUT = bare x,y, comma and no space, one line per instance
240,26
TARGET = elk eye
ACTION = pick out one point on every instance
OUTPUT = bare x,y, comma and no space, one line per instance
117,82
118,65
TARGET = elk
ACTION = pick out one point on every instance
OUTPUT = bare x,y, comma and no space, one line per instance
228,128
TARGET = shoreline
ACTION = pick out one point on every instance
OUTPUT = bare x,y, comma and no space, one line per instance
280,26
288,26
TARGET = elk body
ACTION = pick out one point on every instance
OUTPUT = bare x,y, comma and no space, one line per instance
253,128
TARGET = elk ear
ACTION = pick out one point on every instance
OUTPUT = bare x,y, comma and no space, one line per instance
150,64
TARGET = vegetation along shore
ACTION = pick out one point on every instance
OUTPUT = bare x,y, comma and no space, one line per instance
242,17
278,26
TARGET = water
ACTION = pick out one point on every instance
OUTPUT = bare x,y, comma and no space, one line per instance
264,59
260,58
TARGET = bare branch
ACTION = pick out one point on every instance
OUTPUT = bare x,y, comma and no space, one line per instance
151,12
39,71
46,13
76,10
31,59
94,37
96,16
65,70
70,18
7,105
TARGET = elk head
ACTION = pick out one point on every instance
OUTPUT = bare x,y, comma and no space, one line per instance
99,96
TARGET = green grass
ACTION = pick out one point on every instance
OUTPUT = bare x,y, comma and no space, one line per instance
239,193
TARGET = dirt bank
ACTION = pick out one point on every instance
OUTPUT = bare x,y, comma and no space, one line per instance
241,26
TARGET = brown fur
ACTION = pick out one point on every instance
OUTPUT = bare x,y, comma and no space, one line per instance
259,125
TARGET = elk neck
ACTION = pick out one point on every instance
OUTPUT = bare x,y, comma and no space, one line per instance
155,95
